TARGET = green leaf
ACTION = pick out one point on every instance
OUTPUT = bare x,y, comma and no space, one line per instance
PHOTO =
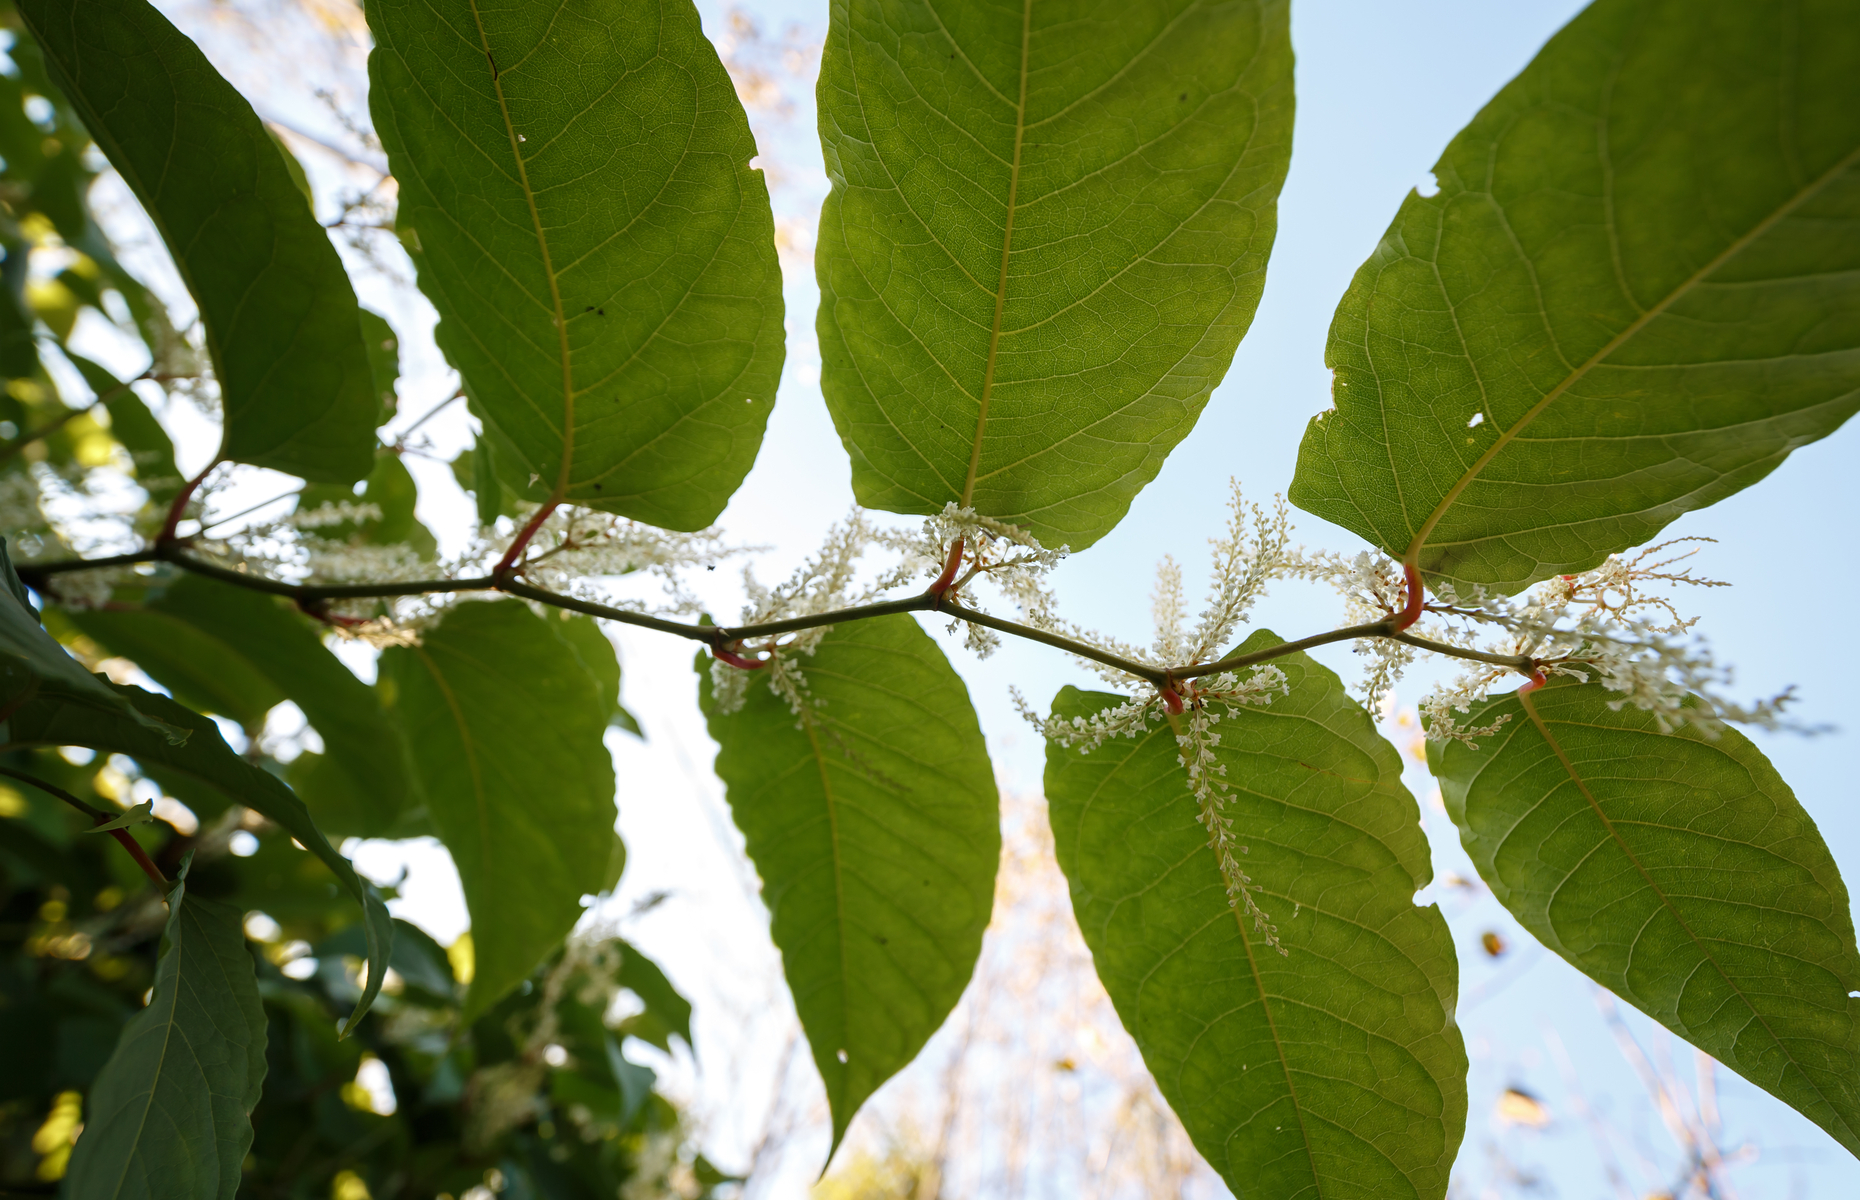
1047,233
131,423
1637,290
1681,873
279,314
205,760
583,636
171,1114
383,346
31,663
670,1012
196,665
141,814
873,821
575,192
239,652
504,725
1335,1068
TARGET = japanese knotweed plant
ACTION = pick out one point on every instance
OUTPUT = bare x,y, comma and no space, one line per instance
1635,292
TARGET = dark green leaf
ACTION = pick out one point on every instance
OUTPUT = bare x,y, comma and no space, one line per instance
1335,1068
1637,290
383,361
873,821
299,180
197,667
575,190
584,636
635,1080
647,981
1047,233
239,652
280,316
170,1116
131,423
31,663
418,959
205,759
504,727
1681,873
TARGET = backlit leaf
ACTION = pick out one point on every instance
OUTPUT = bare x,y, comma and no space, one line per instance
503,724
873,821
32,664
1047,233
1335,1069
1681,873
1636,291
575,191
279,314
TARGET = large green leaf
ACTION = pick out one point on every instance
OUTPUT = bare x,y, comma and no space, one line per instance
196,666
204,760
575,191
1334,1069
873,821
1681,873
504,725
1047,233
1636,292
31,663
281,319
171,1114
238,652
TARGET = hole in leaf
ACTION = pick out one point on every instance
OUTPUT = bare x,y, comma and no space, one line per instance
1478,419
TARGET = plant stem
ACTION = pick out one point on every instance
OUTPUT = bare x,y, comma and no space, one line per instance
97,816
179,506
725,636
507,564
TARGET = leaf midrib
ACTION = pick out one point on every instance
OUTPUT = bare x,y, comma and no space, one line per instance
1802,196
839,904
1007,246
471,756
1266,1000
1704,950
542,247
161,1060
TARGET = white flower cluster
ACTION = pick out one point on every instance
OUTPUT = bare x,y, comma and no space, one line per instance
1372,587
1603,625
1007,556
574,548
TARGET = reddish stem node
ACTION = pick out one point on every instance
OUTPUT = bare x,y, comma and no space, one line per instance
1416,597
136,852
509,561
1172,700
950,566
179,506
1536,681
737,660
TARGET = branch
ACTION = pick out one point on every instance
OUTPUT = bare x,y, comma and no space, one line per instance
723,637
97,816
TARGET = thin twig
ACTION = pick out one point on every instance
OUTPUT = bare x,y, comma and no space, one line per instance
722,637
98,816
